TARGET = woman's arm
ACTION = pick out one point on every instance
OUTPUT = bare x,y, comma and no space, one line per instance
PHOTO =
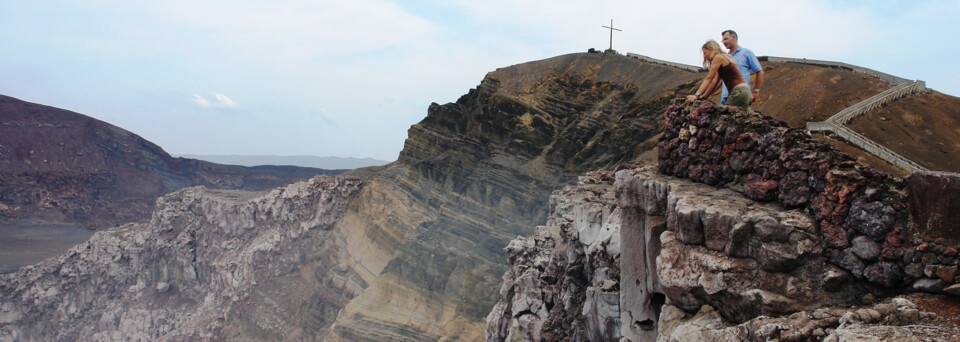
712,87
712,77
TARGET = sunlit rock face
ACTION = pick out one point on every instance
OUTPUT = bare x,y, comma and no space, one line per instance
480,172
210,264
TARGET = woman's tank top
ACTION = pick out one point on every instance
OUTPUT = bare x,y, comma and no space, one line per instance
730,74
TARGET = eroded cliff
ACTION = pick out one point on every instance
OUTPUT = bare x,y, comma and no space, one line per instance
209,265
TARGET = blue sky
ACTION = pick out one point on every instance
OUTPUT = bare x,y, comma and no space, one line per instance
347,78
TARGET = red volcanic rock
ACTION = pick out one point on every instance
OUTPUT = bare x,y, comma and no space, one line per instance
947,273
886,273
794,189
825,209
842,184
833,235
893,245
935,205
747,141
950,252
764,191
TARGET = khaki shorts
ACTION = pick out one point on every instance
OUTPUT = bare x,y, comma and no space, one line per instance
740,96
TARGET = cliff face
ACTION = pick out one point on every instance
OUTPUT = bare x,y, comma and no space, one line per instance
63,166
478,173
763,235
209,264
417,252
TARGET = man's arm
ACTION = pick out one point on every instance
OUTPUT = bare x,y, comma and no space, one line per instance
756,87
758,69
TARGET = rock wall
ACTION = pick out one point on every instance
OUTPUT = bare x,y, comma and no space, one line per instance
860,214
210,265
763,234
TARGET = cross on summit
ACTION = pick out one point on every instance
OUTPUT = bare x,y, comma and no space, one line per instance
611,34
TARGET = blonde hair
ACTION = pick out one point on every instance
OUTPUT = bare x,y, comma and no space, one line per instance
714,48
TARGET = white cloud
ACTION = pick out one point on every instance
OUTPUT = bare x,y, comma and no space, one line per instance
224,101
220,101
200,101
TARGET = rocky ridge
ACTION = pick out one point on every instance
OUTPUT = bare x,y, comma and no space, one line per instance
707,261
207,263
61,166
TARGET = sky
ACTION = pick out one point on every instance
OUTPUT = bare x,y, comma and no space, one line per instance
347,78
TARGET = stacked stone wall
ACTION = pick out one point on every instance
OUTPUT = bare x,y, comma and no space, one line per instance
861,214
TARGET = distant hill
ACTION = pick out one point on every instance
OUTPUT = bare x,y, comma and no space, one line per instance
329,163
61,166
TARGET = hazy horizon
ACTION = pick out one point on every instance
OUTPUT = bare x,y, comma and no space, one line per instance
320,162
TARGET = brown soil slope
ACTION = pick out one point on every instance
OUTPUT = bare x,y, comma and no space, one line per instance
58,165
797,93
922,127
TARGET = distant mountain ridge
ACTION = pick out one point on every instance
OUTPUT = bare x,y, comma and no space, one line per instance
62,166
327,163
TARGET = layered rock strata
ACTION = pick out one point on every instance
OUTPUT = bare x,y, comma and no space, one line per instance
480,170
209,265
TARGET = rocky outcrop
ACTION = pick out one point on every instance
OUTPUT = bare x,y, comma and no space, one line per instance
209,265
694,263
861,215
61,166
480,171
564,279
897,319
766,234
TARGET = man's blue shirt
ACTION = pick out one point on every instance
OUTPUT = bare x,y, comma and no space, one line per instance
746,61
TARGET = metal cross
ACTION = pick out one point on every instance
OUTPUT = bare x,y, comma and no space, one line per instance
611,32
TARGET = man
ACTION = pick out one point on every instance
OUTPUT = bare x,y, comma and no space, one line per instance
747,62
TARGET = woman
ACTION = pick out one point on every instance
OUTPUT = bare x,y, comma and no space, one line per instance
722,67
